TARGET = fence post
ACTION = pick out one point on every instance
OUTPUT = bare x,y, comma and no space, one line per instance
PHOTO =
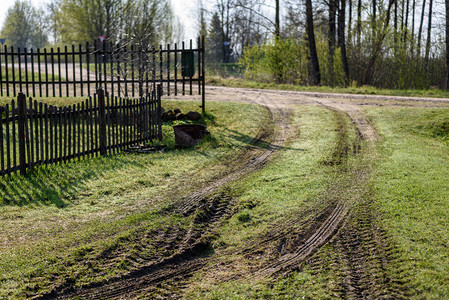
21,113
203,71
102,123
159,111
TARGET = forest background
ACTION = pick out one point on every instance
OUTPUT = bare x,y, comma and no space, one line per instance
398,44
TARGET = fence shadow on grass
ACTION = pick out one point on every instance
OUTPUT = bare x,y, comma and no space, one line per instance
58,185
258,143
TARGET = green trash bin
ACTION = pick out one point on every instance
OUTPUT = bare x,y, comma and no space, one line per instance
188,63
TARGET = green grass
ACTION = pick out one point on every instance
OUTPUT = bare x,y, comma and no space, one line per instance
408,191
293,187
55,101
58,217
59,221
365,90
412,192
17,75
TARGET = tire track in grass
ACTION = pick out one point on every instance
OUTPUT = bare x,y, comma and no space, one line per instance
364,251
168,277
208,207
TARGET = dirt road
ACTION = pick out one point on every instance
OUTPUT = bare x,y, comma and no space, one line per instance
363,247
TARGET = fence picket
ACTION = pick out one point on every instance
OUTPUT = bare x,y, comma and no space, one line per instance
60,128
83,121
19,70
21,116
47,154
1,76
87,65
59,72
41,134
13,69
31,136
13,125
67,133
8,140
2,150
33,81
33,133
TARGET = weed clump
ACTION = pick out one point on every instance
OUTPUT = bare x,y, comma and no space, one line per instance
244,217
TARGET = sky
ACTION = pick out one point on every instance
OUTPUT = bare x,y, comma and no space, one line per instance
185,10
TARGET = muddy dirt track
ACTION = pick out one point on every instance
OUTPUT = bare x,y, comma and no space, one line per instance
347,222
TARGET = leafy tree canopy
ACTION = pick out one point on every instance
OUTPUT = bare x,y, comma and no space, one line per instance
23,26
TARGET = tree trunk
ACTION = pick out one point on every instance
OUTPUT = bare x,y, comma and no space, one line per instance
420,28
395,34
341,39
429,31
350,21
373,25
407,6
402,16
331,40
377,47
447,43
277,29
315,67
412,50
359,22
358,50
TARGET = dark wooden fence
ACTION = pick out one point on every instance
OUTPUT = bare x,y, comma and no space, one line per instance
33,133
121,70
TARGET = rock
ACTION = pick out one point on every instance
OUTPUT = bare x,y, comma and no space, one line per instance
177,111
189,135
180,116
168,116
193,115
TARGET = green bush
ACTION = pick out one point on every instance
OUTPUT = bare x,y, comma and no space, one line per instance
281,60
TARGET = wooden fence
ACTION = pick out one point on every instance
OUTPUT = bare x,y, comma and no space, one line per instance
33,133
121,70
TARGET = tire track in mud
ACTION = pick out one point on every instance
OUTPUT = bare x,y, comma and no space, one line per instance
363,248
208,206
365,251
167,277
326,225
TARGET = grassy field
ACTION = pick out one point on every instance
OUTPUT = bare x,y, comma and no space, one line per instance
23,75
283,198
57,217
63,223
364,90
412,193
407,194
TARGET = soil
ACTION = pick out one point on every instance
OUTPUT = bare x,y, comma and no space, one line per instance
362,251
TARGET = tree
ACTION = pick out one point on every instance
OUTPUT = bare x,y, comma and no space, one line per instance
51,12
214,42
84,20
224,8
201,20
342,40
429,32
23,27
149,21
277,22
331,39
315,66
377,47
420,27
446,2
